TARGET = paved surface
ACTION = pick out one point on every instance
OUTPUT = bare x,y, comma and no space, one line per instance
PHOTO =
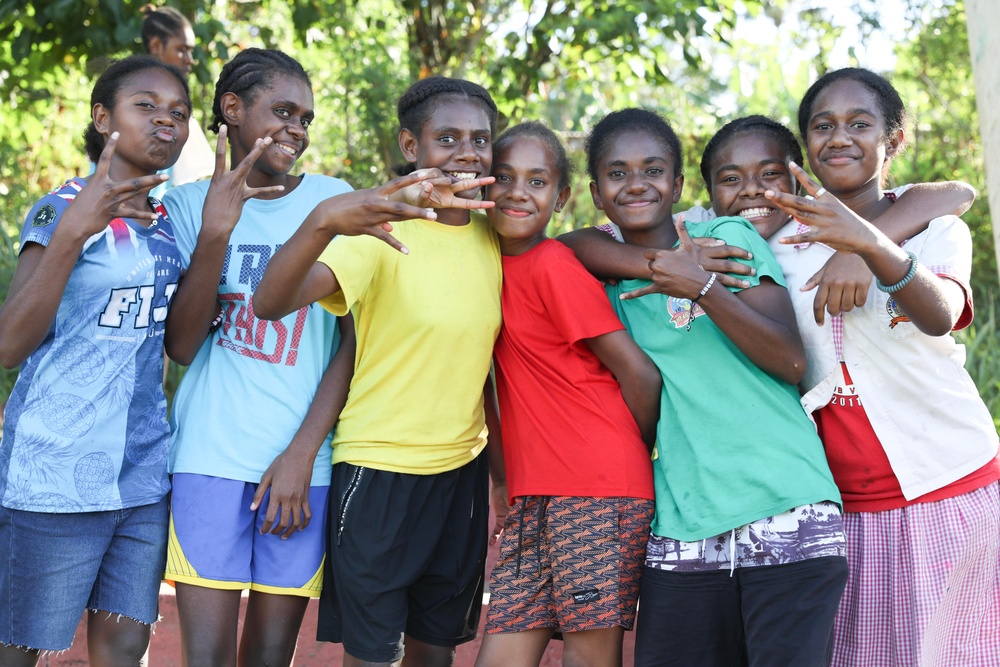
165,646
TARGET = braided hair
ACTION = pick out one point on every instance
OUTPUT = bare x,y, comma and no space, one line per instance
749,124
420,100
111,82
247,73
161,23
627,120
539,131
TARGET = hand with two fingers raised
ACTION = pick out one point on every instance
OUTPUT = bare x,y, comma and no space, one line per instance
105,199
228,190
439,190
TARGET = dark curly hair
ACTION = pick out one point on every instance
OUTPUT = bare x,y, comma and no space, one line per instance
627,120
560,159
246,73
111,82
749,124
890,104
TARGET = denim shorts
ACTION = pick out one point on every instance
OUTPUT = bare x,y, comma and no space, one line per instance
62,564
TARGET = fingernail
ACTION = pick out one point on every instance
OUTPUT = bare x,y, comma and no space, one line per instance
719,242
114,135
746,283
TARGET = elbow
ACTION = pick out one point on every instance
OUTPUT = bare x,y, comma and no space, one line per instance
794,368
936,327
177,354
264,309
8,361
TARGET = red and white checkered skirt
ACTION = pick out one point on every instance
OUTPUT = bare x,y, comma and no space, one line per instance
924,585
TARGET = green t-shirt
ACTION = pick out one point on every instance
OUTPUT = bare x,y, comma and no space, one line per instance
734,444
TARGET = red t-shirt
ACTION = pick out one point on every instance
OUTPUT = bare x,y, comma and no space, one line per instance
566,428
860,466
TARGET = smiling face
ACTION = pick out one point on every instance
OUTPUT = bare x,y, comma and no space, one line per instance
526,193
635,184
151,114
846,138
177,50
456,138
282,110
748,164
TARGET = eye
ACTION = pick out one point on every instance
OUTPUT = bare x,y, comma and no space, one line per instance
823,126
145,104
283,112
616,174
306,122
446,139
180,114
773,174
537,182
502,178
481,141
860,124
728,179
654,171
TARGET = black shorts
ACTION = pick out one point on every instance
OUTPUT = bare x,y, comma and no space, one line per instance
406,554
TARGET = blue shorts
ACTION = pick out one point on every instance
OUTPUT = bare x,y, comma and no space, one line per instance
58,565
215,539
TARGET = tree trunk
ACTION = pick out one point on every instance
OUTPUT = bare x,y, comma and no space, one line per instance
983,20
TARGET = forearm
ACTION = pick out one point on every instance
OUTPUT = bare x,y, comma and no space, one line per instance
494,442
761,324
196,303
931,303
34,296
287,285
923,202
641,392
605,257
331,396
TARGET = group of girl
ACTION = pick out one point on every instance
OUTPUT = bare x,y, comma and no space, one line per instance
734,532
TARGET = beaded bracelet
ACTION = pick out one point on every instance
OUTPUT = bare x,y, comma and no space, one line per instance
889,289
217,322
703,292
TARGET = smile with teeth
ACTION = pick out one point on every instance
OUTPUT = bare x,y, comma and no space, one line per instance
759,212
291,150
462,175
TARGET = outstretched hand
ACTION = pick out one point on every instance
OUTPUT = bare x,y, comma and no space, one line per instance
829,220
105,199
842,284
439,190
677,272
228,190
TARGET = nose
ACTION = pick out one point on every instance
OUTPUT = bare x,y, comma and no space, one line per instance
635,183
839,136
295,128
752,187
466,152
517,190
163,116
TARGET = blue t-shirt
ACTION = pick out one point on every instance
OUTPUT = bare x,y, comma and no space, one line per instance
249,387
86,426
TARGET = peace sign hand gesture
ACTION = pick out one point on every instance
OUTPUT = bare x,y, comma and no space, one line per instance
830,221
228,190
105,199
438,190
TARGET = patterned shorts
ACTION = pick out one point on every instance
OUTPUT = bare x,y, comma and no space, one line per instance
807,531
569,564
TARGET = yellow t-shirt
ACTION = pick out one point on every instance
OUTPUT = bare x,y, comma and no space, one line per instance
426,324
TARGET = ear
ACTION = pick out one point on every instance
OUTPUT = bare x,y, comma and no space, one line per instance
102,118
678,188
595,194
562,198
232,109
156,47
408,144
893,142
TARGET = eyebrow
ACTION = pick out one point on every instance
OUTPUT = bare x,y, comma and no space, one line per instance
648,160
535,170
850,112
457,130
153,93
295,105
766,161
